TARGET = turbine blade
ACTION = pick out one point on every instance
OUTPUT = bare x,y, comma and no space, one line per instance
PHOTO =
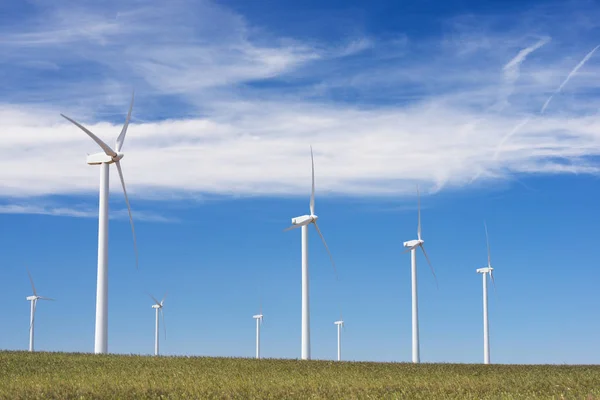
430,266
121,137
312,193
419,213
407,250
164,297
162,314
46,298
105,147
292,227
118,163
326,248
493,281
487,240
154,298
31,280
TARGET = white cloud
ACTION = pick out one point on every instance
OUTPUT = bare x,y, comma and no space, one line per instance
568,78
265,151
78,212
511,69
223,108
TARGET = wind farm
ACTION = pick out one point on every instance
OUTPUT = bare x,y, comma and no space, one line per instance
382,135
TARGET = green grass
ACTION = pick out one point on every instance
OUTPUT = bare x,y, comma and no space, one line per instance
25,375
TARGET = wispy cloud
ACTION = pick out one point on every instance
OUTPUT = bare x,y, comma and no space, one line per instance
568,78
226,108
78,212
511,69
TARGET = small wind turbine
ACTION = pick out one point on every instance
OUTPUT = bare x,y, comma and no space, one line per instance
109,156
411,246
259,320
303,222
33,300
485,271
339,324
158,306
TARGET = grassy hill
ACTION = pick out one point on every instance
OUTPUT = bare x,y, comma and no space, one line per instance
26,375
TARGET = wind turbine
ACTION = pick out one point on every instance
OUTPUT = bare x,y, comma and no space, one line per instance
33,300
411,246
486,271
339,324
104,159
158,306
259,320
303,222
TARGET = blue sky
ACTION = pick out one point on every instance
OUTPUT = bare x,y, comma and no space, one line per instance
492,108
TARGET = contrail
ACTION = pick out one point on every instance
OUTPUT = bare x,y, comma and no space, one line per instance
511,69
573,72
511,72
506,137
499,147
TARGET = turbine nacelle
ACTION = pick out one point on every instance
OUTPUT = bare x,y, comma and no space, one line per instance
339,323
484,270
103,158
304,220
157,306
259,316
30,298
411,244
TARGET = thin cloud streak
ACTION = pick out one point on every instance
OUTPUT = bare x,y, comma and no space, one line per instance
571,74
511,69
58,211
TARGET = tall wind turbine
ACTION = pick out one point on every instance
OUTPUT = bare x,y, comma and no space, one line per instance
259,320
486,271
158,306
104,159
339,324
303,222
411,246
33,300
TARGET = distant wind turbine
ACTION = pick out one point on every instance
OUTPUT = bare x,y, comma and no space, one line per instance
104,159
339,324
303,222
411,246
259,320
486,271
158,305
33,300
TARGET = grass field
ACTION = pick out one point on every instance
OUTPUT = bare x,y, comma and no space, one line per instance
25,375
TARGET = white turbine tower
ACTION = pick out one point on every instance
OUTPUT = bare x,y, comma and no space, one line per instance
339,324
259,320
411,246
158,306
33,300
303,222
104,159
486,271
